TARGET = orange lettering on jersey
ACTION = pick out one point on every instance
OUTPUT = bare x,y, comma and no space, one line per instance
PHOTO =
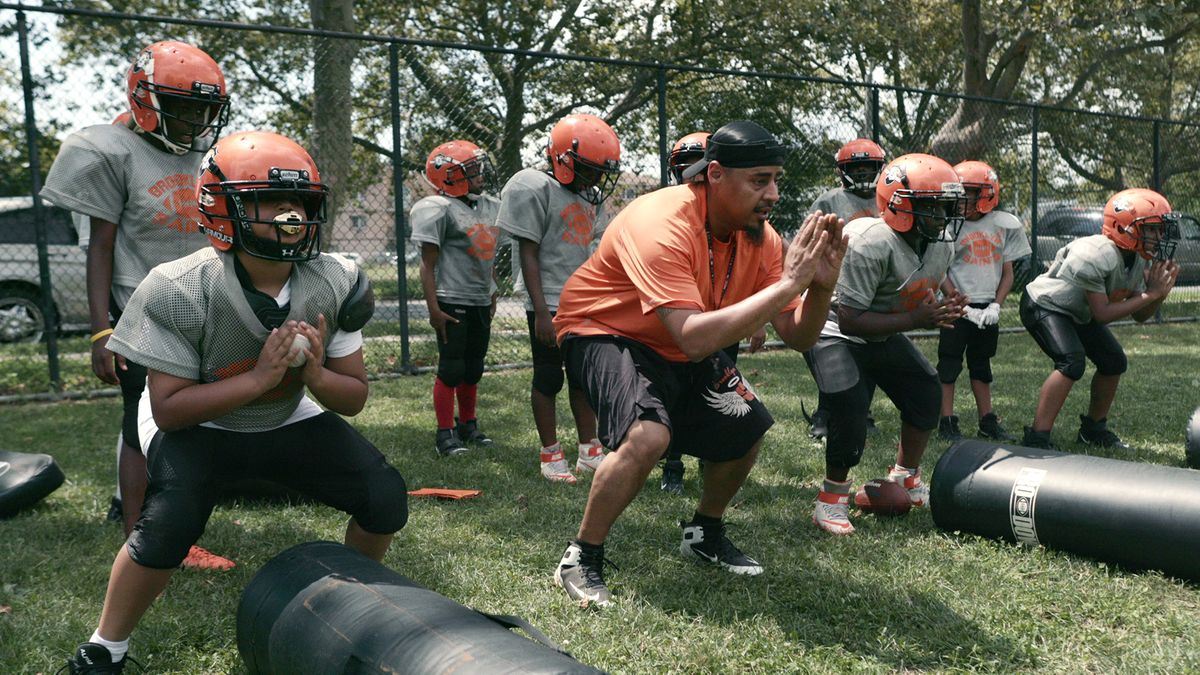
914,293
732,379
578,224
483,241
179,211
981,248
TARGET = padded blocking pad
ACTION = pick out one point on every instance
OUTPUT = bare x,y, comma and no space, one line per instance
25,479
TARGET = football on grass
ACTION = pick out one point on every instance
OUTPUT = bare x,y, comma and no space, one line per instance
883,498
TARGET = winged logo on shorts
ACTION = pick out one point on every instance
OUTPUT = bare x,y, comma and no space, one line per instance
728,403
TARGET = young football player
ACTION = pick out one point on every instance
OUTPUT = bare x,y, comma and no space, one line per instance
888,283
982,270
858,164
552,217
232,337
1126,270
457,231
135,182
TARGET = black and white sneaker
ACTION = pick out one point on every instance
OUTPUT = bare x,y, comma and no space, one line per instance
581,574
468,432
672,476
1096,432
449,444
709,544
95,659
115,514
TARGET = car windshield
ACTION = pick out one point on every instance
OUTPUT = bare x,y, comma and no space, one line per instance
1071,222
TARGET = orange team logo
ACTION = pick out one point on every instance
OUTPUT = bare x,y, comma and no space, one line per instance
483,241
177,193
578,224
981,248
914,293
286,387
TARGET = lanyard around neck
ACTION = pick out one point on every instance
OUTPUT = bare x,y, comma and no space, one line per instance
712,271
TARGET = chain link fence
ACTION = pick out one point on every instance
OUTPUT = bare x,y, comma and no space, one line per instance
371,108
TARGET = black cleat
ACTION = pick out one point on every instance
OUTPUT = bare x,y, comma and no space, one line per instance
989,427
1096,432
449,444
948,428
1037,439
95,659
708,543
672,476
468,432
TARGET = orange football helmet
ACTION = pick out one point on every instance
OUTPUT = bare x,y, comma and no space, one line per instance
247,167
858,165
173,84
923,191
1141,220
983,178
452,167
585,156
686,152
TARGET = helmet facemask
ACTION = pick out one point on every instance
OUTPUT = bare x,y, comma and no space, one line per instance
476,168
243,201
938,216
859,176
1157,239
976,193
594,182
201,112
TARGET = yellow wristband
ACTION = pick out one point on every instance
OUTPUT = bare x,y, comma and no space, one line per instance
102,334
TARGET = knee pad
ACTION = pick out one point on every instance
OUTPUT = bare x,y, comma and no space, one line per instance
847,434
451,371
979,369
162,537
1071,364
472,371
1112,363
949,368
386,511
922,404
547,378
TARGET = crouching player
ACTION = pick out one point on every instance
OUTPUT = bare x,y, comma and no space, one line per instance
1093,281
232,336
894,265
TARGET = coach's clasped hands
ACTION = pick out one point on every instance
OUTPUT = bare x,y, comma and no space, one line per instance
814,258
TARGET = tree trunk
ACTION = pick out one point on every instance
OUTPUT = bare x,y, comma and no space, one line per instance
332,130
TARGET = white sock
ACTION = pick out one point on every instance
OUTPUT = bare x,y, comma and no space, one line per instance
552,448
897,470
117,649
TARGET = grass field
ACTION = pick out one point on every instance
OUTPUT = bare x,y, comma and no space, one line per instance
899,595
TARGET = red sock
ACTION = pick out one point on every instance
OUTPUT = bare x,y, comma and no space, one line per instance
467,393
443,404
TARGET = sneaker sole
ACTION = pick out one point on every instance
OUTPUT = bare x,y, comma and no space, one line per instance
567,478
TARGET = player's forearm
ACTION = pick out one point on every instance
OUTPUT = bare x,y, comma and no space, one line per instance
1005,285
99,282
1140,307
429,286
343,394
204,402
531,273
866,324
800,328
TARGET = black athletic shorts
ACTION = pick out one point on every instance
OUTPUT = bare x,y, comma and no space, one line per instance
712,412
322,457
133,383
468,339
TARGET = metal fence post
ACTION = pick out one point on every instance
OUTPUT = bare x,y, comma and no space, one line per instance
874,114
1034,124
39,218
399,217
1157,149
662,126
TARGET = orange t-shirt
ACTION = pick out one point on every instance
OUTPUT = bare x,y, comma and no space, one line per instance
655,254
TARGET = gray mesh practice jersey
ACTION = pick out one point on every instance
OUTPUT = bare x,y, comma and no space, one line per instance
881,273
847,205
108,172
535,206
190,319
982,248
467,238
1087,265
